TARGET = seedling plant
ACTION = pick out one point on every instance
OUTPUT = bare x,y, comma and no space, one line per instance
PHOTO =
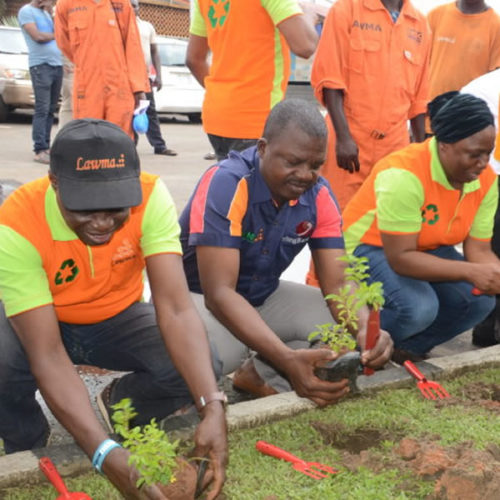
354,295
151,451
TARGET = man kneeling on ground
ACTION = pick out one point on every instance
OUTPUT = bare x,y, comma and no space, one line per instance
74,247
248,218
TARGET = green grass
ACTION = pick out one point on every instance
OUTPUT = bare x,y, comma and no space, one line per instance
253,476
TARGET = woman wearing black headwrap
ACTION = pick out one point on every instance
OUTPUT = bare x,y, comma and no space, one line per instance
414,208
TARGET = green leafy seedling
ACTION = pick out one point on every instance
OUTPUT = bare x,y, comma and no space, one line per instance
151,452
354,295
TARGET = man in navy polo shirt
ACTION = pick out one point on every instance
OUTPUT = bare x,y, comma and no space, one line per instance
247,219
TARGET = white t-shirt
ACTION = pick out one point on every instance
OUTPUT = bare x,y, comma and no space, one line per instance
487,87
148,37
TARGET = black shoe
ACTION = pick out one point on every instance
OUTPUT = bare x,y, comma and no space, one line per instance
399,356
184,418
483,337
166,152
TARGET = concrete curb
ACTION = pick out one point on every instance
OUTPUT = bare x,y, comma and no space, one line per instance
22,468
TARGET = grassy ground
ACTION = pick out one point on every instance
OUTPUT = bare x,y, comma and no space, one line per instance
397,413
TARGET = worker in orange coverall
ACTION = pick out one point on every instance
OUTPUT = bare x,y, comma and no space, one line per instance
371,73
102,40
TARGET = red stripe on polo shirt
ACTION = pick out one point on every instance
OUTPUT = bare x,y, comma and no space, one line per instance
197,216
328,223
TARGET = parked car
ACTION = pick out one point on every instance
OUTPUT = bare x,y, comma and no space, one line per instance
180,93
16,90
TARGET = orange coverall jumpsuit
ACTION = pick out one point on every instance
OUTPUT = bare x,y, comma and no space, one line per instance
382,68
103,42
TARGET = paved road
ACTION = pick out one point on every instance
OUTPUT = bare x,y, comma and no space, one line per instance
179,173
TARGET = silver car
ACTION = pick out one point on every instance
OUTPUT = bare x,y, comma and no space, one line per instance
180,93
16,90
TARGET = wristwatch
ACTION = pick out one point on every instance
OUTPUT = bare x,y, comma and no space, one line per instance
214,396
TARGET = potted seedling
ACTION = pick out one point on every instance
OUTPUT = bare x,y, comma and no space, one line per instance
355,294
156,457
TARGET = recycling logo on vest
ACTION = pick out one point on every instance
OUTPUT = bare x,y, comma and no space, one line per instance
67,272
430,214
217,13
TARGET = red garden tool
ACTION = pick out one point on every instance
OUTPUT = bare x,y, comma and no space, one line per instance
312,469
372,335
428,388
49,469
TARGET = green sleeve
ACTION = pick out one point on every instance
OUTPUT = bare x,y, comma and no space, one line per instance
279,10
160,229
399,196
482,226
197,26
23,281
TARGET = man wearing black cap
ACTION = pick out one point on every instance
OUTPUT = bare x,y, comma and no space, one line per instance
74,247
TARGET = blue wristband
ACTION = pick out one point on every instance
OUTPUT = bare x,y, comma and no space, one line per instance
102,452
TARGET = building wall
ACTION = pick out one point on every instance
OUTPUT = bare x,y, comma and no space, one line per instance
167,19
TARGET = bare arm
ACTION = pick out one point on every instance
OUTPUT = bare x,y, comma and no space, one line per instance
418,127
67,396
300,33
219,268
482,267
37,35
186,341
197,57
330,272
155,58
346,149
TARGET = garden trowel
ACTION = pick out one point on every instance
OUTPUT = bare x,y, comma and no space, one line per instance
49,469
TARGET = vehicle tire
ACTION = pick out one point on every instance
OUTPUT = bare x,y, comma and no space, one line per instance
194,117
4,110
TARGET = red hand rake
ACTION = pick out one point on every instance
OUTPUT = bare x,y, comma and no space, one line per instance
312,469
49,469
428,388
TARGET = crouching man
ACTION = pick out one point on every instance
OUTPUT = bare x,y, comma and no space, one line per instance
249,216
74,247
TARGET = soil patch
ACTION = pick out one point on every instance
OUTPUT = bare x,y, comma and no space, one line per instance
353,441
473,395
459,472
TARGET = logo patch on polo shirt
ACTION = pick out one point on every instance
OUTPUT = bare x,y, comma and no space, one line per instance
304,228
218,11
123,253
430,214
252,237
67,272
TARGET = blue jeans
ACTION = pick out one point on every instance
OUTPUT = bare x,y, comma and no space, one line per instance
418,314
129,341
46,81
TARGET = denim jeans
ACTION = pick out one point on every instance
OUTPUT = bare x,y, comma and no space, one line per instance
46,81
154,132
418,314
129,341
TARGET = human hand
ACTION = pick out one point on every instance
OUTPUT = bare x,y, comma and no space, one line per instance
138,96
124,477
486,278
347,151
211,441
158,83
377,356
299,370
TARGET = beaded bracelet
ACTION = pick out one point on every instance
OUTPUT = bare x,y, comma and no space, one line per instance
102,452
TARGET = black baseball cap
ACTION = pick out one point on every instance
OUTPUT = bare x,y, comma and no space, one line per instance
96,165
